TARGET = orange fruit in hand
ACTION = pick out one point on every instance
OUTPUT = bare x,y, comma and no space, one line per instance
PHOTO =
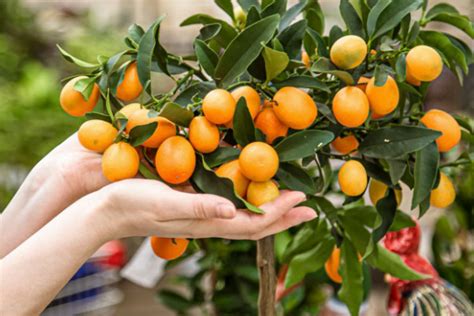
383,100
203,135
73,102
424,63
350,107
168,248
129,109
332,266
352,178
447,125
218,106
270,125
378,189
444,194
294,108
175,160
231,170
259,193
251,97
348,52
120,161
164,129
305,59
362,83
258,161
130,88
97,135
345,145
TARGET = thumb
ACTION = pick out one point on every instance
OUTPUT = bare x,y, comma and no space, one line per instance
206,206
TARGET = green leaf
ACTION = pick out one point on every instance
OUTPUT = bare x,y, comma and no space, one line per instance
74,60
174,300
394,14
197,90
313,41
401,220
401,68
146,51
244,129
334,34
274,7
375,170
426,170
209,32
226,6
295,178
291,14
275,62
98,116
351,18
147,173
244,49
252,16
85,86
396,169
374,15
247,4
394,142
206,56
135,33
358,222
446,13
387,208
292,38
302,144
391,263
352,290
221,155
304,239
226,33
324,65
177,114
315,17
380,75
139,134
302,81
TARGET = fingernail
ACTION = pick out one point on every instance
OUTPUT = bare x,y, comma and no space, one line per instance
309,215
301,197
225,211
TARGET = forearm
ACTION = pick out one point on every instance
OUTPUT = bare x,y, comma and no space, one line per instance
32,274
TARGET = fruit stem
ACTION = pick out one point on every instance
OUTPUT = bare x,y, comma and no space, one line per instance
266,270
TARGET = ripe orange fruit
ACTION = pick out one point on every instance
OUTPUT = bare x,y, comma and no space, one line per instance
378,189
424,63
305,59
362,83
383,100
168,248
130,88
295,108
251,97
258,161
350,107
175,160
332,266
345,145
129,109
97,135
259,193
352,178
203,135
270,125
348,52
73,102
231,170
120,161
412,80
218,106
444,195
447,125
164,130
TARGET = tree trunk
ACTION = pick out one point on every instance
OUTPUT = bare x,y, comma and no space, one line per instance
266,270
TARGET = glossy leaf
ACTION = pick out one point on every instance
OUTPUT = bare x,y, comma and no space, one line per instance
206,56
302,144
303,81
446,13
147,173
323,65
358,223
292,38
396,170
247,4
135,33
244,129
177,114
351,18
314,43
304,239
275,62
380,75
221,155
197,90
393,15
374,15
98,116
291,14
315,17
274,7
244,49
139,134
401,68
387,208
85,86
295,178
401,221
75,60
226,34
426,170
351,291
226,6
252,16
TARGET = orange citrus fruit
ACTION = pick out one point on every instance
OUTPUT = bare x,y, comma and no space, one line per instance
259,193
175,160
97,135
346,144
130,88
168,248
294,108
412,80
362,83
231,170
120,161
383,100
350,107
270,125
378,189
129,109
203,135
218,106
352,178
164,129
444,194
258,161
447,125
332,266
348,52
424,63
305,59
73,102
251,97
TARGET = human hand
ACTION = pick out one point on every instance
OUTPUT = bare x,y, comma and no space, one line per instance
140,207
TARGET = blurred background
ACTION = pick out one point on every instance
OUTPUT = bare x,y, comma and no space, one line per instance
32,123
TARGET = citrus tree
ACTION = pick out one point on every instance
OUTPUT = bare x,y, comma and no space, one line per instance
267,101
